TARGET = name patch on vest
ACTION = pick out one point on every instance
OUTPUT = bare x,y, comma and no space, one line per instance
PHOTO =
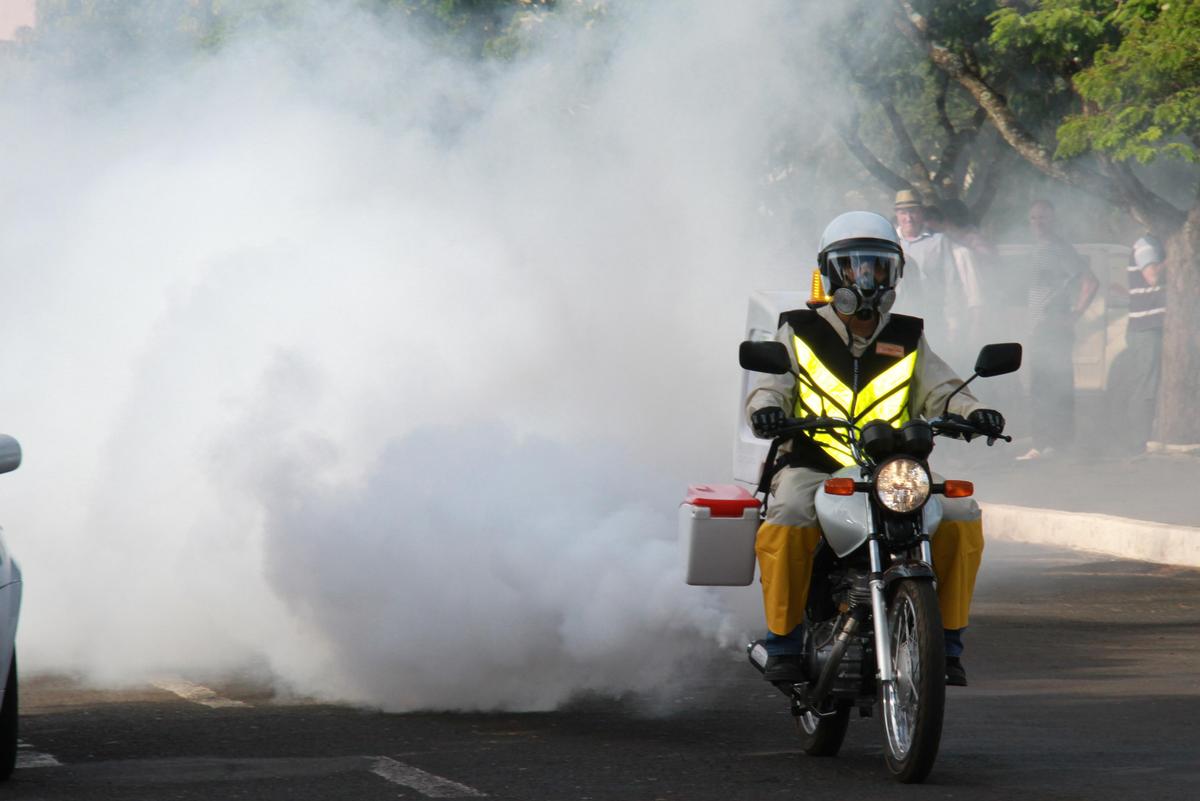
889,349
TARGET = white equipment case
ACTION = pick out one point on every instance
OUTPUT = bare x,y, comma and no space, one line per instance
717,524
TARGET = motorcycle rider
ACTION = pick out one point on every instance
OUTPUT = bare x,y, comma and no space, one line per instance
854,341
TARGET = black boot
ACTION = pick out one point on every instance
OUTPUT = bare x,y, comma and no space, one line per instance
787,668
956,674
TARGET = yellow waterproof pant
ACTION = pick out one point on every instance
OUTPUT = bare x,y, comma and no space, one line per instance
957,547
785,561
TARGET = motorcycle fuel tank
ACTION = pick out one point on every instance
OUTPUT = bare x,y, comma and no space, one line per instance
845,520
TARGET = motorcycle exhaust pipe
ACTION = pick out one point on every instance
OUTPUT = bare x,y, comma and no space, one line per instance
840,644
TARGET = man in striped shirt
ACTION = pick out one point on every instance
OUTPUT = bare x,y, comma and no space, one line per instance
1133,380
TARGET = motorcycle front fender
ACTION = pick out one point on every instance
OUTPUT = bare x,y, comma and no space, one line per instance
845,519
911,568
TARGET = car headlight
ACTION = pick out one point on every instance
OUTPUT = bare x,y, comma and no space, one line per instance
902,485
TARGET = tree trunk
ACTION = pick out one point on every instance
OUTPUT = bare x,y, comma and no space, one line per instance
1179,390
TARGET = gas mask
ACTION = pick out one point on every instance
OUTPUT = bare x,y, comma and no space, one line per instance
861,279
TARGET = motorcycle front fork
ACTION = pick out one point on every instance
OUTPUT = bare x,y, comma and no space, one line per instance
883,639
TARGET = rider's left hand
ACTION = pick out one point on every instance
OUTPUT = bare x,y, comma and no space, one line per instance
767,422
988,421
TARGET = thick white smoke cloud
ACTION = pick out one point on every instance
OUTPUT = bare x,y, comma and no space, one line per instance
542,572
334,354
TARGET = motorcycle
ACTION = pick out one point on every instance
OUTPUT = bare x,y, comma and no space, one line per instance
874,629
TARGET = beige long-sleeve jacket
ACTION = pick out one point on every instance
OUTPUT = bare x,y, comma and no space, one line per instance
933,380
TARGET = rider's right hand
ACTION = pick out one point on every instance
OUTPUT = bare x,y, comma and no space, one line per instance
767,422
987,421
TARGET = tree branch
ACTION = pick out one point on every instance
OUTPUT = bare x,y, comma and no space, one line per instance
869,161
1135,198
947,172
849,134
987,184
943,176
939,104
916,29
908,151
1147,208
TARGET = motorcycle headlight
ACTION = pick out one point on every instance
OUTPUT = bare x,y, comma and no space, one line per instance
902,485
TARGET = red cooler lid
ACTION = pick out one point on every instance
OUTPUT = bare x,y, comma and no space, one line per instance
725,500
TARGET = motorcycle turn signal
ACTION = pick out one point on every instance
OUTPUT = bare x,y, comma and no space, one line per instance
954,488
844,486
839,486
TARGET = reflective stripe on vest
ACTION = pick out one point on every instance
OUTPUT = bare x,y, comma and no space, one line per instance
822,394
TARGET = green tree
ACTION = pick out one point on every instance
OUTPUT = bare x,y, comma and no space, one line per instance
1121,82
479,27
108,30
908,125
491,28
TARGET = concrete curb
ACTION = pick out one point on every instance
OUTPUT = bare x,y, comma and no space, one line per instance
1103,534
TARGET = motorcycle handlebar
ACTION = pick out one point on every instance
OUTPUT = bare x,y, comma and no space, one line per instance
955,426
950,425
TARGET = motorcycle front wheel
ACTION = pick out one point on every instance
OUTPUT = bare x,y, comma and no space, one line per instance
913,705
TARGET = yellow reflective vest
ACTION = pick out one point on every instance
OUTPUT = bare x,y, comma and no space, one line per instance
833,383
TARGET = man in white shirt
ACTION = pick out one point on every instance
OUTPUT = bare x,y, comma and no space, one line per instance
940,279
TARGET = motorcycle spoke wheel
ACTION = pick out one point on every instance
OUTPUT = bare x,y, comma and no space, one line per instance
914,703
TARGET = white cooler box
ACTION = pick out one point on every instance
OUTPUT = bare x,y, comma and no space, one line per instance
717,524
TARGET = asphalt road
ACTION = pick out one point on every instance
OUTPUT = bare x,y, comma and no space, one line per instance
1084,684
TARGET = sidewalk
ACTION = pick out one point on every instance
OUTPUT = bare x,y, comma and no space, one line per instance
1163,489
1145,508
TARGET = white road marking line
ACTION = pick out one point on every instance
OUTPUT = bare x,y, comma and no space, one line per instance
34,759
426,784
196,693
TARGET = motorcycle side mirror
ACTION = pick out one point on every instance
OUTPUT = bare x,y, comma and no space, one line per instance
998,359
765,357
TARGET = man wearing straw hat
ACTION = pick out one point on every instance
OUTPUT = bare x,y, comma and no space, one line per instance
944,288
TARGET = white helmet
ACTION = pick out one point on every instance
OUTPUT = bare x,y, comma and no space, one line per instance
861,262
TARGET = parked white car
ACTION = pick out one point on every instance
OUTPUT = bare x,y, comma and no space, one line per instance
10,610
